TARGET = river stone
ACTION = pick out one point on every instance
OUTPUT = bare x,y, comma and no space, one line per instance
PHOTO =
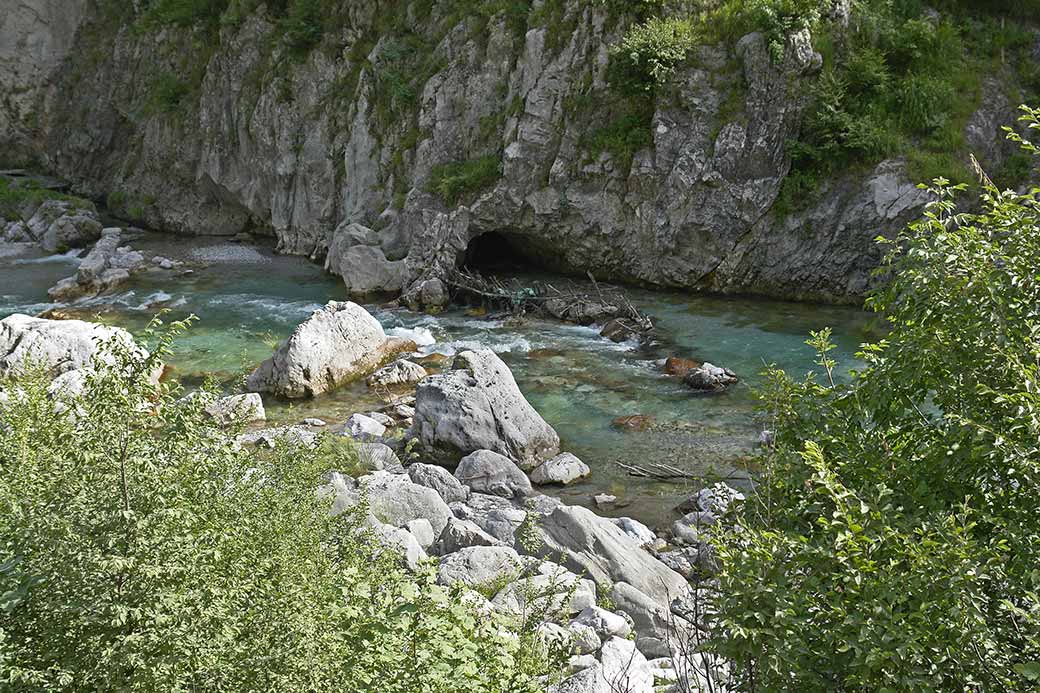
479,566
497,516
636,529
624,667
362,427
659,632
377,456
488,472
588,680
401,543
564,469
458,534
336,344
440,480
246,408
710,378
478,406
291,436
584,638
422,530
597,547
395,500
605,623
400,372
55,345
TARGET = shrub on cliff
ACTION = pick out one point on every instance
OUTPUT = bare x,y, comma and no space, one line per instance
141,550
894,540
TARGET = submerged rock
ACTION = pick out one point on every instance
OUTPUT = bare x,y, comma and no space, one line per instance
477,406
336,344
677,366
633,422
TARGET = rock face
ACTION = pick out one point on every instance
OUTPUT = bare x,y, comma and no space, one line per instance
692,208
336,344
56,345
478,406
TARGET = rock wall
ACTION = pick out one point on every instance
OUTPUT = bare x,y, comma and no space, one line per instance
199,134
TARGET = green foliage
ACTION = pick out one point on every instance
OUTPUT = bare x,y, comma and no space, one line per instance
893,542
142,550
303,25
186,13
455,181
650,52
17,196
627,133
168,93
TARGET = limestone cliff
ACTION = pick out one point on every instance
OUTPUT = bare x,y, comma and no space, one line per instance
228,129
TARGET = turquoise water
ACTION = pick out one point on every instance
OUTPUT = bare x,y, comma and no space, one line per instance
247,298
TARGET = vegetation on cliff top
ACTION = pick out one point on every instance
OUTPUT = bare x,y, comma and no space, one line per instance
142,550
893,541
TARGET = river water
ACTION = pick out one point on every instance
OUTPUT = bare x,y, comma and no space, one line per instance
248,298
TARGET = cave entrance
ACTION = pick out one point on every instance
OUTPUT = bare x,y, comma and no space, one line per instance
496,252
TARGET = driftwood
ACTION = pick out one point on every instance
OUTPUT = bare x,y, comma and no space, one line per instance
660,471
564,299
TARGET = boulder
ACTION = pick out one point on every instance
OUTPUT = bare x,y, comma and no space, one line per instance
633,422
60,224
625,668
246,408
365,270
643,535
292,436
459,534
617,331
336,344
440,480
376,456
679,367
478,406
595,546
422,530
606,623
484,471
497,516
401,543
398,373
658,631
552,590
55,345
479,566
710,378
395,500
564,469
361,427
105,267
588,680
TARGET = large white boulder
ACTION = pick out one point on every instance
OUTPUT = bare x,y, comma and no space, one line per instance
57,346
564,469
480,566
338,343
477,406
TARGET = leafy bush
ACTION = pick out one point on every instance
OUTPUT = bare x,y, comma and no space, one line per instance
457,180
650,52
18,194
893,540
142,550
168,92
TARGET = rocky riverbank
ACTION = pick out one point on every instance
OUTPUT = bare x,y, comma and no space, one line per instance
443,480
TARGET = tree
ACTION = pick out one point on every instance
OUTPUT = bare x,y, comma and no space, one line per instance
894,540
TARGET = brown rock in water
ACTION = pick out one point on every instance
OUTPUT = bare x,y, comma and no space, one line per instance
633,422
543,353
677,366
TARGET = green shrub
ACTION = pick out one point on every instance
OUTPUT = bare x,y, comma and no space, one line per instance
142,550
650,52
168,93
453,182
17,194
893,540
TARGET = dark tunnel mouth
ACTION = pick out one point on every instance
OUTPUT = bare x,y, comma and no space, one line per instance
502,252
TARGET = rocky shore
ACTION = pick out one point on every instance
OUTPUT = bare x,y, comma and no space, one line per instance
449,476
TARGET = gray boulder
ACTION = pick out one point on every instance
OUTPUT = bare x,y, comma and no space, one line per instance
484,471
606,623
106,266
624,667
595,546
478,406
459,534
564,469
400,543
400,372
552,590
291,436
246,408
336,344
55,345
440,480
710,378
658,631
497,516
376,456
60,224
361,427
479,566
356,256
395,500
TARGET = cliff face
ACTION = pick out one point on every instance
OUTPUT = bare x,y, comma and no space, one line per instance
197,132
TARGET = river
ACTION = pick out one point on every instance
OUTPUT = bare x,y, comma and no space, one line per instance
248,298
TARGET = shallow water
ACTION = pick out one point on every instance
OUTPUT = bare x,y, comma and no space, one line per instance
248,298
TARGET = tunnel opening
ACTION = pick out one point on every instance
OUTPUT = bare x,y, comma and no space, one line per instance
503,253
